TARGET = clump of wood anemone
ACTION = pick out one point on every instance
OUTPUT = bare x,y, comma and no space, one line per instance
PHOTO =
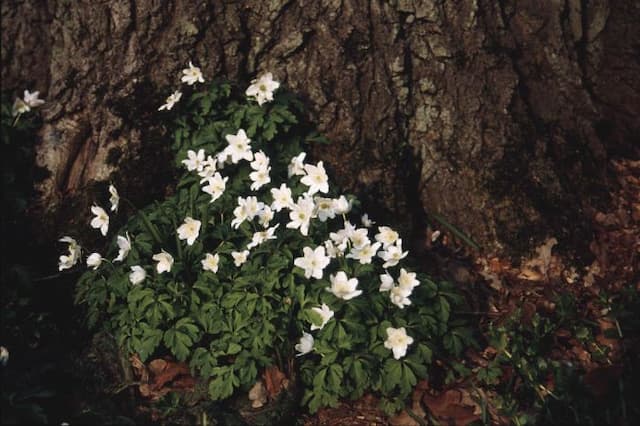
230,318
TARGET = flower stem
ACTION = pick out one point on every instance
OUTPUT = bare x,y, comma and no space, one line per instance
145,220
15,122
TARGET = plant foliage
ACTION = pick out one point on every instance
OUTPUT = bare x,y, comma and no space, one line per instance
231,324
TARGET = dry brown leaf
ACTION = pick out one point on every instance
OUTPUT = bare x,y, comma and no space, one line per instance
258,395
490,270
274,381
161,376
544,254
538,268
403,419
186,383
139,369
530,274
157,366
454,406
167,372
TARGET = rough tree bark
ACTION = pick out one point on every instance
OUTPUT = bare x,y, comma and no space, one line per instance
499,115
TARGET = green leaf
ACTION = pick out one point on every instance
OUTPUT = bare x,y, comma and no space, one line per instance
408,379
180,338
204,361
391,374
232,299
334,377
444,309
149,340
233,348
221,387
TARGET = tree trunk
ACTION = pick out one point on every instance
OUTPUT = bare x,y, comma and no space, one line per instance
498,115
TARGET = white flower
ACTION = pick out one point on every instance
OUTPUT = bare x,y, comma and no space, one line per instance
101,221
75,251
114,199
260,175
124,246
332,250
281,198
66,262
210,262
324,208
341,205
262,88
73,244
360,238
262,236
306,344
247,209
342,287
19,107
399,297
94,260
325,315
165,261
386,236
386,282
171,100
222,157
189,230
209,167
313,262
260,161
192,75
194,161
301,214
259,178
397,341
215,186
316,178
365,253
366,222
32,99
342,236
239,147
4,356
296,166
393,254
137,275
407,281
239,257
265,215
